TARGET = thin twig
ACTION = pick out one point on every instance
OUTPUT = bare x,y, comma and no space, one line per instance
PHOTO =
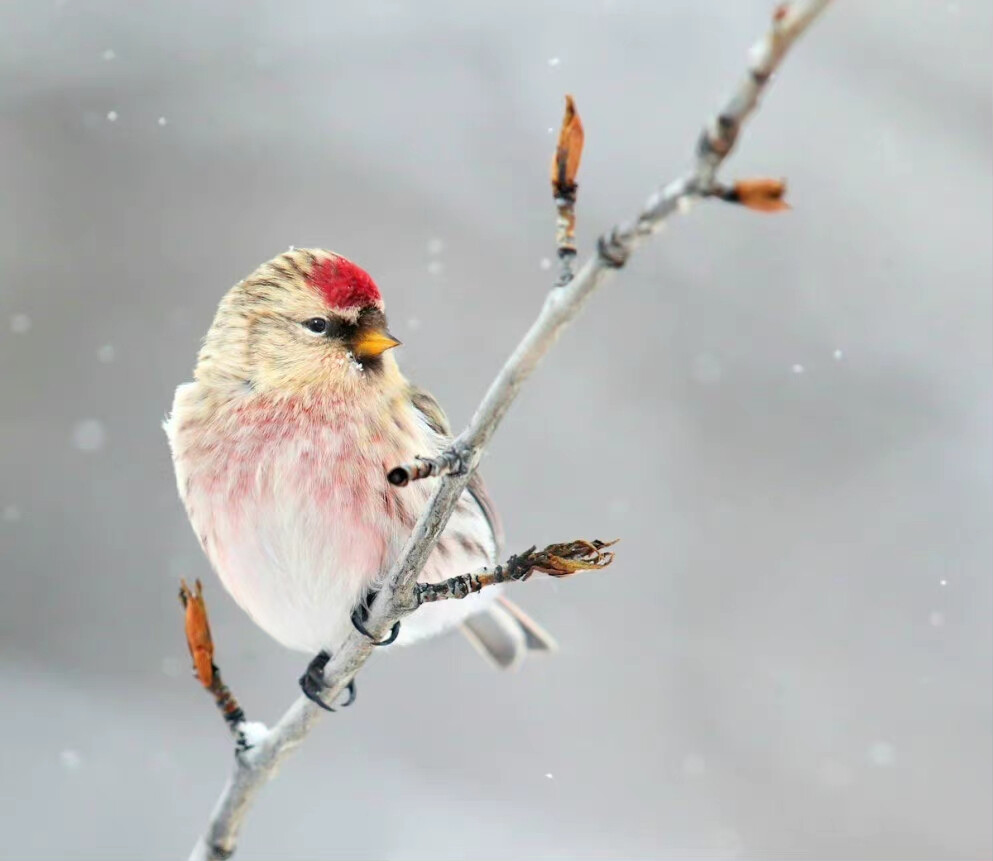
614,247
556,560
448,462
565,168
254,767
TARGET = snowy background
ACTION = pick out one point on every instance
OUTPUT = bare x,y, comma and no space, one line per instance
787,420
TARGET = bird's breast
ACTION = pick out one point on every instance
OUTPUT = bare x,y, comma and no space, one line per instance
293,508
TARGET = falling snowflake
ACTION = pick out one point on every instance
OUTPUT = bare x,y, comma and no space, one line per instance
172,667
942,582
264,57
835,775
112,116
936,619
694,765
881,753
107,354
70,759
162,121
436,267
619,507
553,61
414,323
88,435
545,264
838,355
20,323
798,369
161,761
435,246
109,54
707,369
11,514
549,775
729,842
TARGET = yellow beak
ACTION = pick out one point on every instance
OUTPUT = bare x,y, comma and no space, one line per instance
372,343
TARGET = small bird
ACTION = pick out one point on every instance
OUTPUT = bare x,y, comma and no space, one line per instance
282,445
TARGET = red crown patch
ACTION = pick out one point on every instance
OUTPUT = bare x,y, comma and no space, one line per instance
342,284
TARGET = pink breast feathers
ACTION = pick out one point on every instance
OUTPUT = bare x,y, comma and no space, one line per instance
342,284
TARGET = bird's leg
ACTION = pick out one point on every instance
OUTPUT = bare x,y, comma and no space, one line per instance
360,615
312,682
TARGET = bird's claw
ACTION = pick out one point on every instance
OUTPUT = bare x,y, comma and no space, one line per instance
312,682
360,615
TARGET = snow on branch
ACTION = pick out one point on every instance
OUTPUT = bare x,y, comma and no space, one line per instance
401,594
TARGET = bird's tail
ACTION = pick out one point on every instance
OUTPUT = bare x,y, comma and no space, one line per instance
503,633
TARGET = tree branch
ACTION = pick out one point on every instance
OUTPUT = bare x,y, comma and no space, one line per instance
258,750
399,596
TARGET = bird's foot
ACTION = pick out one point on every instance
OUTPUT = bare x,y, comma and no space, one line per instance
312,682
360,615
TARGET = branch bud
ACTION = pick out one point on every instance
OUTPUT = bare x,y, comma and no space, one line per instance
198,637
568,152
760,194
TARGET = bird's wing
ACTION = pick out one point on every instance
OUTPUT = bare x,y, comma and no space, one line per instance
477,490
425,403
433,414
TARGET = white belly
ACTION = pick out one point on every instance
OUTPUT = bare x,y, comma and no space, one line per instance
300,524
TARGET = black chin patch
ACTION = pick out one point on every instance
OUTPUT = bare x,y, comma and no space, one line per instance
372,365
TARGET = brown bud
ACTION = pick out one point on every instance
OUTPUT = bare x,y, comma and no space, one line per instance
761,194
568,152
198,637
561,560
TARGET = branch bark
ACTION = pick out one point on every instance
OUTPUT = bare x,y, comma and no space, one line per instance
255,766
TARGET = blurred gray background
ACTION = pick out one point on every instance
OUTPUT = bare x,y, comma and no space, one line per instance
786,419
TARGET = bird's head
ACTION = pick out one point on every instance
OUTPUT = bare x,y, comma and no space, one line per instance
306,321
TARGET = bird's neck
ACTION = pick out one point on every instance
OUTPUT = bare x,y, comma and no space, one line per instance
327,401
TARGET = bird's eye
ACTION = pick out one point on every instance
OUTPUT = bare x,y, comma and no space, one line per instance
317,325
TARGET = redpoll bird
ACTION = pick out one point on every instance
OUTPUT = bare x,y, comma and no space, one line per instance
282,446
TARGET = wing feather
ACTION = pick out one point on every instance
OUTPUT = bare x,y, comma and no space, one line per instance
424,402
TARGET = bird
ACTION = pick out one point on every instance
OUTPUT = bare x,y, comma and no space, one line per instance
281,447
